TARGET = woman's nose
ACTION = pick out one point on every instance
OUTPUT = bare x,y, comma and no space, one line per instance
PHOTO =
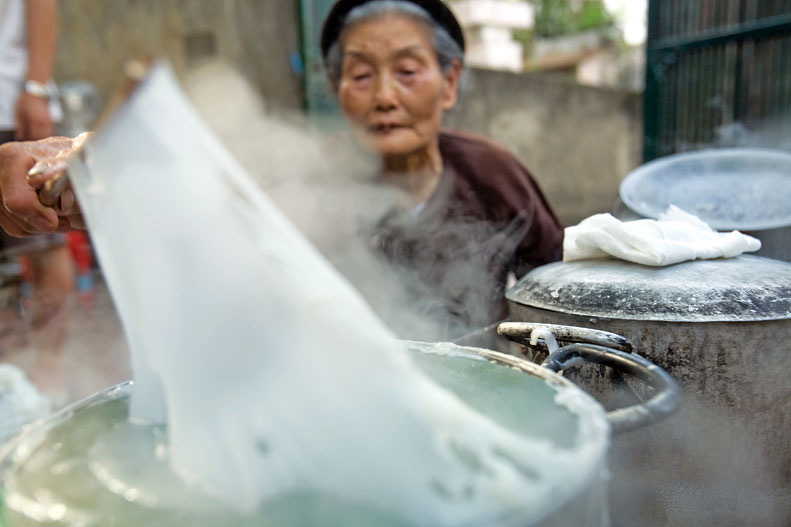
385,96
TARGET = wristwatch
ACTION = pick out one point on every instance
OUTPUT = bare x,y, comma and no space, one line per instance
38,89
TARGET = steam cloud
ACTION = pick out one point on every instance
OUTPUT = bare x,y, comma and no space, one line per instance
330,189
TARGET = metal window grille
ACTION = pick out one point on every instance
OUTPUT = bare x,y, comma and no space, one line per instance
711,63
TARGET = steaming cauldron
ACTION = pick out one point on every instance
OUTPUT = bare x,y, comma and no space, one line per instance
89,466
721,327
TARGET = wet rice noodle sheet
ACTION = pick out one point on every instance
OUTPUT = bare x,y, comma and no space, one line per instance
271,372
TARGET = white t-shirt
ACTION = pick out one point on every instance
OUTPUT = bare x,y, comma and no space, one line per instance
13,58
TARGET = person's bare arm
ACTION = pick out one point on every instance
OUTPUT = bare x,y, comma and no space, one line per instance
33,119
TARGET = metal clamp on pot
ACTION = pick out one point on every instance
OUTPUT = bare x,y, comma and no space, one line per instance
608,349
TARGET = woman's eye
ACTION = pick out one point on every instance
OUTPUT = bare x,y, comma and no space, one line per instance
407,72
360,74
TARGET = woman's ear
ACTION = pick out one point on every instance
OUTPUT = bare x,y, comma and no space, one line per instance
451,89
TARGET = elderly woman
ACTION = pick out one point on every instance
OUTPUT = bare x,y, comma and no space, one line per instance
477,215
473,217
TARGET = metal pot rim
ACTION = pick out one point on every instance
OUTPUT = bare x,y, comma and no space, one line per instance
722,176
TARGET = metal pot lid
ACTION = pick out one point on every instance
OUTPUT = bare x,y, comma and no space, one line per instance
743,289
731,188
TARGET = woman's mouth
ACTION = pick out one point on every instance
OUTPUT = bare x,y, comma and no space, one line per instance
383,128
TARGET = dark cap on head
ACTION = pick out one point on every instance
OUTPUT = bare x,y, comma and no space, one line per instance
440,12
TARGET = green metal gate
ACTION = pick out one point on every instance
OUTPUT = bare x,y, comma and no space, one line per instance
321,103
711,63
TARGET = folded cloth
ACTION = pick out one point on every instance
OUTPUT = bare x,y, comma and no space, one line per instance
675,237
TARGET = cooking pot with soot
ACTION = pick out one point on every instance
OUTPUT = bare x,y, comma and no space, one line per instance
722,328
88,465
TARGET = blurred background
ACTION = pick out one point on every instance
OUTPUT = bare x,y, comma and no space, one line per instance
546,77
562,83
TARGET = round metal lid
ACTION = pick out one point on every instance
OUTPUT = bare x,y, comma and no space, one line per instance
747,288
731,188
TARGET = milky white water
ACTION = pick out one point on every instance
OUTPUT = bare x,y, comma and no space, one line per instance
273,375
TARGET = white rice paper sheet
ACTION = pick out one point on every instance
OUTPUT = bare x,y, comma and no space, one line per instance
272,373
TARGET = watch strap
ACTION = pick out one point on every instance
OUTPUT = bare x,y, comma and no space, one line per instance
37,89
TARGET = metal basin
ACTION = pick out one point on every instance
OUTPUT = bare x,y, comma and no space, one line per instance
89,466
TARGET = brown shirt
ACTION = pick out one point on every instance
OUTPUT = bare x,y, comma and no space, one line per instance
486,218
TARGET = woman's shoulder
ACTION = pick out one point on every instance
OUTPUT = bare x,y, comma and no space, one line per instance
487,167
462,145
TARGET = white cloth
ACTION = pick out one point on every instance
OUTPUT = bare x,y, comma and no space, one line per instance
676,236
13,58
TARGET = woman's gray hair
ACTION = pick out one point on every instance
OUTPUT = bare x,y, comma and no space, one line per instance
447,49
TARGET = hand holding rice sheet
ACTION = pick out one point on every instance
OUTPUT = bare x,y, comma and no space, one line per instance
676,236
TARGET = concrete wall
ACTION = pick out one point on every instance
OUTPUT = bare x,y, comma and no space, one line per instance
578,142
257,36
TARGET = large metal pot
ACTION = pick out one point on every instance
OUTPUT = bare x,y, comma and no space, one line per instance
722,328
89,466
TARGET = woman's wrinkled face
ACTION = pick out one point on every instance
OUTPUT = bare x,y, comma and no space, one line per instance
391,88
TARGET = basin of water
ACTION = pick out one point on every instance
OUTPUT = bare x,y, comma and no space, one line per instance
90,466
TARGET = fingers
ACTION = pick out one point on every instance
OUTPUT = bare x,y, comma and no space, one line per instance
78,142
44,171
20,227
70,211
54,192
75,221
64,224
78,222
33,170
67,202
21,214
21,202
53,146
54,188
10,225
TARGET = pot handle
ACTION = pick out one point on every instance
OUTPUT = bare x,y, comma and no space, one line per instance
661,405
523,333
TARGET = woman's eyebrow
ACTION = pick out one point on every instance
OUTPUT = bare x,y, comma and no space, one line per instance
407,50
356,54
